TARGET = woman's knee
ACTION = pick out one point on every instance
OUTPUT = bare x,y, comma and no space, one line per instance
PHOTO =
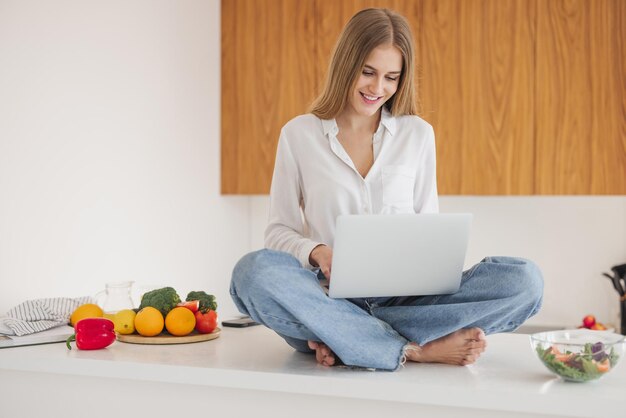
257,261
524,277
260,271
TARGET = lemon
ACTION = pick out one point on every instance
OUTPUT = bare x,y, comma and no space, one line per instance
180,321
124,321
149,322
87,310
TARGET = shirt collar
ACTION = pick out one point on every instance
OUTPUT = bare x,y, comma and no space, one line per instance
386,120
330,126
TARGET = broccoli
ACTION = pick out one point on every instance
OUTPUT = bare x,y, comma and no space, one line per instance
206,301
164,299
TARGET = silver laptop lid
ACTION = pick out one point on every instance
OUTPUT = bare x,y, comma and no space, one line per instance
398,255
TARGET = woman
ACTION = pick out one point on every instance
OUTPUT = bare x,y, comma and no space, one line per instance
363,150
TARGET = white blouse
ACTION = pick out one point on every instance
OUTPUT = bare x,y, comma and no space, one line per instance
315,180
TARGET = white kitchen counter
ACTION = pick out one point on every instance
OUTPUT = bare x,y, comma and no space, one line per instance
251,371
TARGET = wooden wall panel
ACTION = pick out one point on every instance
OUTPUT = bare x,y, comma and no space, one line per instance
581,99
526,96
268,77
477,73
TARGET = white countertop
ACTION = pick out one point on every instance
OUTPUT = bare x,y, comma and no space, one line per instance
508,377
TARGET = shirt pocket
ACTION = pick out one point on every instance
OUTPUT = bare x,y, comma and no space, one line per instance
398,185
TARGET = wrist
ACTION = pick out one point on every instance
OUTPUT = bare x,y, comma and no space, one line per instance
313,254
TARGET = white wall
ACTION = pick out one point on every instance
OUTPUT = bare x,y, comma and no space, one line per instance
109,149
109,167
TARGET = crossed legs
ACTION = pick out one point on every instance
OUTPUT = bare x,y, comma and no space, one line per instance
497,295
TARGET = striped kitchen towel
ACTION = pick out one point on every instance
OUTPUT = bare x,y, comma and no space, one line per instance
39,315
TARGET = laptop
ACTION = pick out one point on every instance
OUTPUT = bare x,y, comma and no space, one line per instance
398,255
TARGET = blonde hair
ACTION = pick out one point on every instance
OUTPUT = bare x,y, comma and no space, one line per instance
365,31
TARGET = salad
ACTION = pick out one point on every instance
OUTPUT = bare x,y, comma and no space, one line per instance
591,363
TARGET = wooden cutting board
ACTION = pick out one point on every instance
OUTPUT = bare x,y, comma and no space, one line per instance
165,338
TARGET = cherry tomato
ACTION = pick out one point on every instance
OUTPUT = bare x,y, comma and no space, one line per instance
588,321
206,322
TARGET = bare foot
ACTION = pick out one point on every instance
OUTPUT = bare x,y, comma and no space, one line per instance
323,354
462,347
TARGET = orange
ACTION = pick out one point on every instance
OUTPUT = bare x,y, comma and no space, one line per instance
87,310
180,321
149,322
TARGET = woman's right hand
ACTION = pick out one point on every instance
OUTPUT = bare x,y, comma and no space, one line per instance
322,257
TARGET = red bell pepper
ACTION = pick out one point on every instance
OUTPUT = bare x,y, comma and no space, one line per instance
92,334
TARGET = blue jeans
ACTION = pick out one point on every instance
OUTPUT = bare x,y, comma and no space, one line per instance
497,295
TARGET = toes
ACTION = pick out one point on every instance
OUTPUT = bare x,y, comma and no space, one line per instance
324,350
320,357
478,344
471,356
323,354
329,356
469,359
480,335
475,334
475,351
475,345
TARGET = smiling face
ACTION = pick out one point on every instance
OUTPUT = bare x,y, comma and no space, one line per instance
377,82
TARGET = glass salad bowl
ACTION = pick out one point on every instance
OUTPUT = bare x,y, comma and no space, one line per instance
579,355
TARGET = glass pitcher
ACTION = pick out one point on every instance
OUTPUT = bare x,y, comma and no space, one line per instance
115,297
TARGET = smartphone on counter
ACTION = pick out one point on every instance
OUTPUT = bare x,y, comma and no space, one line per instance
240,322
